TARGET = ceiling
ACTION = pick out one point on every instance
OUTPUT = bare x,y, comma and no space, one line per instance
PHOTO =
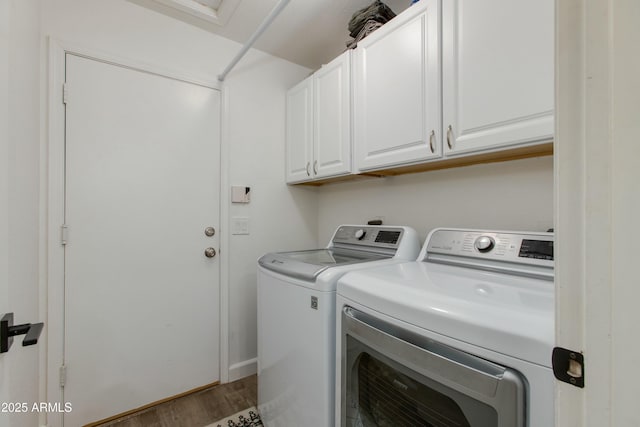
307,32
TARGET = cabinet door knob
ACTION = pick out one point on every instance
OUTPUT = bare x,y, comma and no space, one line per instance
308,173
432,136
315,167
449,132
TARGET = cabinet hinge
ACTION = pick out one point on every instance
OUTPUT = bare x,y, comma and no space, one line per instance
568,366
65,93
63,376
64,234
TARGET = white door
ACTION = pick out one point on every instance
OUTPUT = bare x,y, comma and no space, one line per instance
5,307
397,90
299,131
498,69
142,184
332,118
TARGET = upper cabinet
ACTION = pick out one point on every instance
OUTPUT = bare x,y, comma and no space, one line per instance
299,135
319,123
443,84
397,100
332,115
498,73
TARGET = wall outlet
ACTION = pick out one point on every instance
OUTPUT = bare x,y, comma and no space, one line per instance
239,225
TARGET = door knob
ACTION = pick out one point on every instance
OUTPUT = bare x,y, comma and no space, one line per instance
209,231
209,252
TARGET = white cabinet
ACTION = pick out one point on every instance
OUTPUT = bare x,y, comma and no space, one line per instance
332,118
498,74
444,83
299,135
397,100
319,123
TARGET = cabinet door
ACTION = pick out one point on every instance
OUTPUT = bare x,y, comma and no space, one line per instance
299,137
397,90
332,118
498,67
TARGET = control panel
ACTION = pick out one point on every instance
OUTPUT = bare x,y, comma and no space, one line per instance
381,237
522,248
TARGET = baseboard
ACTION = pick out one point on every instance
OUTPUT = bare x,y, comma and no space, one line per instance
243,369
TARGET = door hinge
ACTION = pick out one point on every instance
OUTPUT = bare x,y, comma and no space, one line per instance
568,366
65,93
63,376
64,234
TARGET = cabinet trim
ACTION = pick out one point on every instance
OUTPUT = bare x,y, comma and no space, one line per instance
499,155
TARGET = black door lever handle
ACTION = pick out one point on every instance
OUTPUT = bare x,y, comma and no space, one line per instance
8,331
33,334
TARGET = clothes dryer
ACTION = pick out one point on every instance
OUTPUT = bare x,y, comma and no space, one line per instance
461,337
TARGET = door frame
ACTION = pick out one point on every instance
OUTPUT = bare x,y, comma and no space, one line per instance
589,178
53,185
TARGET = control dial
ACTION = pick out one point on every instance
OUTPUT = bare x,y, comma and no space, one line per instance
360,234
484,243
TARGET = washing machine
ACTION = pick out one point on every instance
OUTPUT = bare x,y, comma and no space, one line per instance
461,337
296,319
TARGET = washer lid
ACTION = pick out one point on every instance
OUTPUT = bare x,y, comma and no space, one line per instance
307,265
508,314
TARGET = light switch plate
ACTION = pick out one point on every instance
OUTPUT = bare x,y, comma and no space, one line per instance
240,194
239,225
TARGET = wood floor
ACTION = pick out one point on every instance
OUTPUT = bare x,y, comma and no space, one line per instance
197,409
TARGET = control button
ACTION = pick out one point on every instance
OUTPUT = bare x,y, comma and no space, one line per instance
484,243
360,234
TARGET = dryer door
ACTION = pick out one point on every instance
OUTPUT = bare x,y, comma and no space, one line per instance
394,377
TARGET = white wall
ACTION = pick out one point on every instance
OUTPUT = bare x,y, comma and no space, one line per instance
280,217
515,195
